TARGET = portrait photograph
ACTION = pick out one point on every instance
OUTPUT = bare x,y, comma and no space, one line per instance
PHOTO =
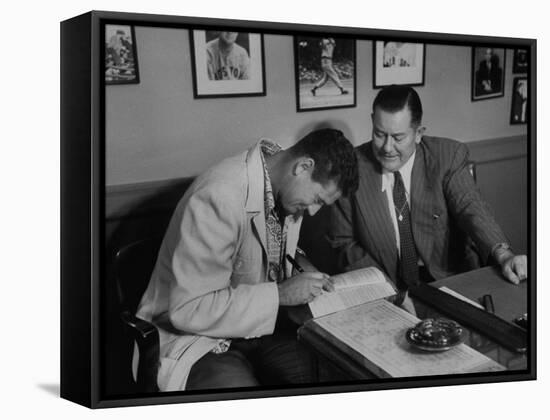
520,61
399,63
488,70
519,101
227,63
121,65
325,71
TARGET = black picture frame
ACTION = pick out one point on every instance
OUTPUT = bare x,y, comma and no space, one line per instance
88,294
520,61
247,78
519,110
395,62
121,59
484,77
324,82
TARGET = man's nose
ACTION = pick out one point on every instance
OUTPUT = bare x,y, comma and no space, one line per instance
314,208
388,144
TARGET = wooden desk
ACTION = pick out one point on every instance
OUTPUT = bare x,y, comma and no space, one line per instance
509,300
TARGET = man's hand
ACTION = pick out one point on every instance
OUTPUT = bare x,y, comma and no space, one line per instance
303,288
514,267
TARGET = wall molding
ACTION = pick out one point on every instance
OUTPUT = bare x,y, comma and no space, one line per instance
138,199
498,149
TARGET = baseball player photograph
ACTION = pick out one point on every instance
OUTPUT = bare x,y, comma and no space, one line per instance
227,56
227,63
325,72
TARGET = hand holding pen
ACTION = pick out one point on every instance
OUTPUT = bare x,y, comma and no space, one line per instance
303,287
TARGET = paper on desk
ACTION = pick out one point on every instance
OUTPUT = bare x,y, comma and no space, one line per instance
361,277
376,331
339,300
351,289
461,297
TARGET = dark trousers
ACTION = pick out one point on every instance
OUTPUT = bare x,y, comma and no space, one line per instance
276,359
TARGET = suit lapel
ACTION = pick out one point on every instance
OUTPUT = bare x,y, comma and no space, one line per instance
422,203
373,207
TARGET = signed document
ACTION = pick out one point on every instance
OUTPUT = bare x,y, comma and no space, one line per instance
374,335
351,289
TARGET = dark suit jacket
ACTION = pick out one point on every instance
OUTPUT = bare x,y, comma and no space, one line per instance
444,198
494,75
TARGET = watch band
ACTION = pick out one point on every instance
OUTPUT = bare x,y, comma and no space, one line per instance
498,249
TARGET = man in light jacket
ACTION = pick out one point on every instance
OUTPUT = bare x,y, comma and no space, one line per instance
221,275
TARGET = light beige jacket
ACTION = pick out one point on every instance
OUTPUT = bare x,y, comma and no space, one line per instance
210,279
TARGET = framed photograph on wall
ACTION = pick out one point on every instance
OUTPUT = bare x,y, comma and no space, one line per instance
488,70
520,63
227,63
165,265
520,98
325,69
398,63
121,61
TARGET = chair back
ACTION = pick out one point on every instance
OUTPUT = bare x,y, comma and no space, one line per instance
134,264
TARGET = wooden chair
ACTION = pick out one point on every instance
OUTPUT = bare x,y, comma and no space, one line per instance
133,266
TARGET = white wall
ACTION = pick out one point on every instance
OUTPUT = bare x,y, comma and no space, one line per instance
156,130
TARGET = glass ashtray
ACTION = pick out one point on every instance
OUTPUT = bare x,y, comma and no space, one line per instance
435,334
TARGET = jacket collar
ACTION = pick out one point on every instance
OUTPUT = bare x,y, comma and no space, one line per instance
255,179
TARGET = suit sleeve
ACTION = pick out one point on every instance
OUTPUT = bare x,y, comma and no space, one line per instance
202,299
342,238
473,214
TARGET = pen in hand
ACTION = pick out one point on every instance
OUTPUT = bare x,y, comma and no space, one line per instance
296,266
326,286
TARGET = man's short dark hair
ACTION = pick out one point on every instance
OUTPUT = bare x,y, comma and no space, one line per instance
334,156
394,98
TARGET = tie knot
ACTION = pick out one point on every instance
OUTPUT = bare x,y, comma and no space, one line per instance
397,176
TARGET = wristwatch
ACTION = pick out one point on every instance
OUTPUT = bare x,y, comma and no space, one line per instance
501,246
498,249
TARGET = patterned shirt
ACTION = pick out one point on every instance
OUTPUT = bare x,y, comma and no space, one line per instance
276,229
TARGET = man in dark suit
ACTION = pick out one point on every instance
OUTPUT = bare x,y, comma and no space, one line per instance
413,189
489,74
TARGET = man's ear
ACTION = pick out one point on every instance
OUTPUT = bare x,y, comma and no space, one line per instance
419,133
303,164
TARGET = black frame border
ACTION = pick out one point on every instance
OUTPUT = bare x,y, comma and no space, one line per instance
83,206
